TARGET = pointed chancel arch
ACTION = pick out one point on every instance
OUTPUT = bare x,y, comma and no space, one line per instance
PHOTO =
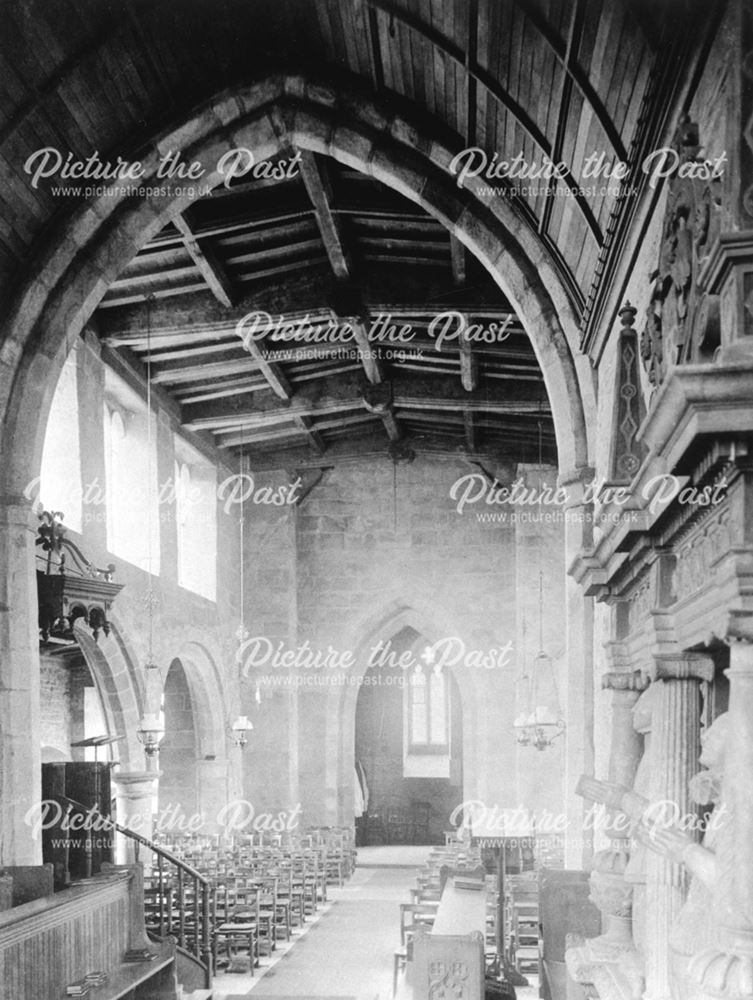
432,622
86,251
81,259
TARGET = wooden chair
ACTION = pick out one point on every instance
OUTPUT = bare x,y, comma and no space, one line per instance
416,913
238,909
420,818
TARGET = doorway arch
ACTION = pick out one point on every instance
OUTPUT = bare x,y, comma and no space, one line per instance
411,781
395,616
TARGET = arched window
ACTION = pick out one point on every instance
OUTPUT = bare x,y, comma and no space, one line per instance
60,486
133,529
428,710
115,459
196,520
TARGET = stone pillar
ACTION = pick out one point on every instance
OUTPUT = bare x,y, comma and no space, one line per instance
626,745
213,791
610,961
728,970
579,751
624,757
675,748
134,793
20,760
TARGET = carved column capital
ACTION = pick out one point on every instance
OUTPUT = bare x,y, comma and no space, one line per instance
625,680
682,666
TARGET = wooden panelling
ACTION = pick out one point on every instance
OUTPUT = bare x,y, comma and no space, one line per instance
49,943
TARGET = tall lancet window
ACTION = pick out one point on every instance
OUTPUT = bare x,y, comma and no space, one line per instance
196,517
59,486
133,506
428,712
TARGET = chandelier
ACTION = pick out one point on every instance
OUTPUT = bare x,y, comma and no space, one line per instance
540,721
151,727
539,725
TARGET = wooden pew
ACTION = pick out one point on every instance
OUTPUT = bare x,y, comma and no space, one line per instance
450,957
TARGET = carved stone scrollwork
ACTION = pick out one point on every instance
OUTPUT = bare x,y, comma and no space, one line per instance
681,325
696,556
624,680
641,602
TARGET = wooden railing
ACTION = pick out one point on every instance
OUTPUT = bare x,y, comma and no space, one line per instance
178,898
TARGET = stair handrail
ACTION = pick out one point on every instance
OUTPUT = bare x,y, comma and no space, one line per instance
203,949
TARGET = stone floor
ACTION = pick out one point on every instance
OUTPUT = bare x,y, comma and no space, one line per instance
347,952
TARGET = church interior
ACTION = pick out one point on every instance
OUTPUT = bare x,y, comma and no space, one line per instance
376,561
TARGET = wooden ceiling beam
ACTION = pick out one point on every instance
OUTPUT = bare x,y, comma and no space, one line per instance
354,449
328,405
493,86
319,189
433,390
199,373
271,371
221,392
367,354
314,437
564,101
205,259
468,366
235,440
457,256
580,76
470,429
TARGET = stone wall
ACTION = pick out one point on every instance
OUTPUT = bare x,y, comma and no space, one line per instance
372,549
55,708
184,624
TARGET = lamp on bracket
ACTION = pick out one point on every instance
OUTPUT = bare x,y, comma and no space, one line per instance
240,730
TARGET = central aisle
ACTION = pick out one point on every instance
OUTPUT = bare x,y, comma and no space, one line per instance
349,951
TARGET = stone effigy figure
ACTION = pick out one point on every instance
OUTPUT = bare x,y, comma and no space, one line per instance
658,829
697,925
635,872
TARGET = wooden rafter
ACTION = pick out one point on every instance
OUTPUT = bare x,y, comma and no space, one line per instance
319,189
457,257
569,59
327,405
497,91
468,366
204,258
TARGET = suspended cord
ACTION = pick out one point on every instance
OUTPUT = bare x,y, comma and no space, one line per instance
241,543
541,569
394,496
149,494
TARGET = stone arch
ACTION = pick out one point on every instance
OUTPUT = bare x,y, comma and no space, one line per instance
86,250
179,749
119,686
205,684
86,253
429,620
200,658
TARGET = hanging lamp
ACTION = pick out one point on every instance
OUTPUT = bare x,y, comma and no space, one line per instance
540,723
